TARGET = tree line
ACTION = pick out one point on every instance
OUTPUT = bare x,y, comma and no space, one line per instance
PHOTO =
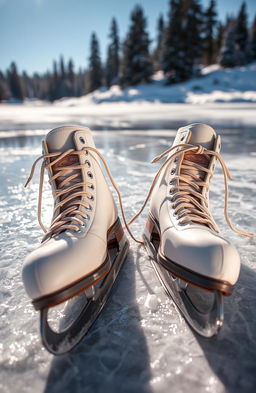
187,38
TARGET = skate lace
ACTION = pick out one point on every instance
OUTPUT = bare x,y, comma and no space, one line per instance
189,204
68,198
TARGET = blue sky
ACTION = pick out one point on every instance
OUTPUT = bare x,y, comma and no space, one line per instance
34,32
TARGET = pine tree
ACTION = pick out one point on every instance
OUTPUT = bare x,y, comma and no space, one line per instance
219,37
159,45
173,54
192,35
70,79
62,68
3,88
95,68
70,71
228,53
54,83
253,40
210,22
182,46
160,31
55,70
241,35
80,83
136,66
27,85
108,67
113,62
3,93
15,83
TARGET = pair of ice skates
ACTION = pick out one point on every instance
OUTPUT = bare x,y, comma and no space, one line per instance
85,246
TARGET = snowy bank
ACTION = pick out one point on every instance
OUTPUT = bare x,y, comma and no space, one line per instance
214,85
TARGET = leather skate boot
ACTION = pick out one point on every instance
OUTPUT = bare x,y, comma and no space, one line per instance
181,234
74,255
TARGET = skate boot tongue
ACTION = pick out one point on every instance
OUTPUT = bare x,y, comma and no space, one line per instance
191,175
203,135
61,140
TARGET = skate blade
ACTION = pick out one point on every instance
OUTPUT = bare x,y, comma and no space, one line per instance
62,327
202,309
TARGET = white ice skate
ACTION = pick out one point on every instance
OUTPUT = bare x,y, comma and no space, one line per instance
85,246
181,237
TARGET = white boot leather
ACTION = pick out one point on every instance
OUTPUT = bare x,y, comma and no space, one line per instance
192,245
66,257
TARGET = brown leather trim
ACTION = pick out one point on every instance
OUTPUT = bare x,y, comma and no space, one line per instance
149,225
117,230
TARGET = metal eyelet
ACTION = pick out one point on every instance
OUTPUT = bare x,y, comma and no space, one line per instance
82,139
90,174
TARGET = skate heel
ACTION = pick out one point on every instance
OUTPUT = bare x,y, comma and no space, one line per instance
116,237
151,237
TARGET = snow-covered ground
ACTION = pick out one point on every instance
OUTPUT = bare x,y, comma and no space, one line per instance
140,343
214,85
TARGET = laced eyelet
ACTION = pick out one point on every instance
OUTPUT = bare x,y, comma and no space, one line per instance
91,197
90,174
171,182
171,192
173,171
91,187
89,208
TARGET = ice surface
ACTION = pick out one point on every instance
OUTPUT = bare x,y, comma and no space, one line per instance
140,343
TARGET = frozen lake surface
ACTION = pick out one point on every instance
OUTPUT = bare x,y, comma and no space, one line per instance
140,343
